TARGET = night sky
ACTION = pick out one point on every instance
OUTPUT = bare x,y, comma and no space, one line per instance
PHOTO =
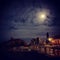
19,19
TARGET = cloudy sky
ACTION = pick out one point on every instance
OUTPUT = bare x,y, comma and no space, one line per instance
20,19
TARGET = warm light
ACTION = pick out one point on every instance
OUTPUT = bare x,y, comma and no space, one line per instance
50,39
53,41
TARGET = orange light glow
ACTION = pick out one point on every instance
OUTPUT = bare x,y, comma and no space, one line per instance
53,41
50,39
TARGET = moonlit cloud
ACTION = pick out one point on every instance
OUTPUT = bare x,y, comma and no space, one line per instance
22,21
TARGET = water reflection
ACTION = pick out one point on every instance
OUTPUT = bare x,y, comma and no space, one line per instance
50,51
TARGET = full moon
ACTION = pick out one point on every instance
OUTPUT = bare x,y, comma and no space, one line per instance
42,15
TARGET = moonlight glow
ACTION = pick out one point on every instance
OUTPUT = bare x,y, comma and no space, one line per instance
43,15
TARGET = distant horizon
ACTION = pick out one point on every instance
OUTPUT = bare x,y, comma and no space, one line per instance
28,39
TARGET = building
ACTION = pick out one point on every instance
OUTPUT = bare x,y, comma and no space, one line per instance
47,37
35,41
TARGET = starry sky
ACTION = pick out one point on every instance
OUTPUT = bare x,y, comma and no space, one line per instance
19,19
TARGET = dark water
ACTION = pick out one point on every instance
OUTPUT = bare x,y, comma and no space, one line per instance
32,55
